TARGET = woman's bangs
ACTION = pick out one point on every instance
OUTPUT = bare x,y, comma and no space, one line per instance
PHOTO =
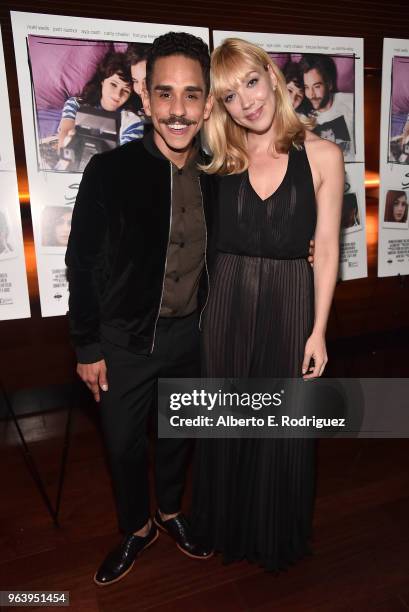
227,72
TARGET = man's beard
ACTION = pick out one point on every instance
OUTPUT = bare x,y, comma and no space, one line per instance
327,97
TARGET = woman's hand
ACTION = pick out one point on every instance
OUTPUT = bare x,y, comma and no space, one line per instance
68,137
314,349
311,250
66,131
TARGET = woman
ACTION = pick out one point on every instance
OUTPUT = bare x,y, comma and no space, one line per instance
280,184
55,226
295,85
110,89
396,207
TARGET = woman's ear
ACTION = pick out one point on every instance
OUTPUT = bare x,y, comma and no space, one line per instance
272,77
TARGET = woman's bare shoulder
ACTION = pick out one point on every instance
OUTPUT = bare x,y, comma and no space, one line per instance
319,149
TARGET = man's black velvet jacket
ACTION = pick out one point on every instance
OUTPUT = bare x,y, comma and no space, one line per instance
116,253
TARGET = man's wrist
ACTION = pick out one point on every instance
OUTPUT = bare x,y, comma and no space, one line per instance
89,353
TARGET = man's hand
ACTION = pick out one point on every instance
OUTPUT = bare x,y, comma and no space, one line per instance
311,253
94,376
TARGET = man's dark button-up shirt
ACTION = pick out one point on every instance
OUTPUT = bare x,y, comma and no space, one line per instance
185,255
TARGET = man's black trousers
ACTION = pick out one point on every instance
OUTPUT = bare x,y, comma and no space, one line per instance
125,407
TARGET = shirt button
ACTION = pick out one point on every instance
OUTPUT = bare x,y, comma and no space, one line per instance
183,209
182,244
177,279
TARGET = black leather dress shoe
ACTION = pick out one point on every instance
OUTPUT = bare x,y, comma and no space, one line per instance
179,530
119,561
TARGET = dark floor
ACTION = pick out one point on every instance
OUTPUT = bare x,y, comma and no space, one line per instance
361,534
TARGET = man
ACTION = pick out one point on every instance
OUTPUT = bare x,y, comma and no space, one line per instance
135,261
333,110
136,55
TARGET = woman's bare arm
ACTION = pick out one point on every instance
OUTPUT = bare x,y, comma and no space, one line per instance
327,163
66,126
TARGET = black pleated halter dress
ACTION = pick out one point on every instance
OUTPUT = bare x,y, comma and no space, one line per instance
253,498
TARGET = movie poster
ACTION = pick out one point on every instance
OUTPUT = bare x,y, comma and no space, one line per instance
14,300
80,82
324,78
393,242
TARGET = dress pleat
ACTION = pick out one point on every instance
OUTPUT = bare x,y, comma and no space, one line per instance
253,498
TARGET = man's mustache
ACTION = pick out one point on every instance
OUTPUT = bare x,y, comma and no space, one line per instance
175,119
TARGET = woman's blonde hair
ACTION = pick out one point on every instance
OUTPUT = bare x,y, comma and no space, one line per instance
227,140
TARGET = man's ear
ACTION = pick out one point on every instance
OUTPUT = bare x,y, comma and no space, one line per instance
208,107
146,103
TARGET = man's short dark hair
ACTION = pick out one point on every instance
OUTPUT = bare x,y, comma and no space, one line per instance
179,43
136,52
325,65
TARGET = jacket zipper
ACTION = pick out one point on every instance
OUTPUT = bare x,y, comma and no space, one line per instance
166,260
205,259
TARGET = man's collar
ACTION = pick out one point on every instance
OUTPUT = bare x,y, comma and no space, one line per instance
151,147
190,167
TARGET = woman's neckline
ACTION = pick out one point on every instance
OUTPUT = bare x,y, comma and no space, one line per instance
278,186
